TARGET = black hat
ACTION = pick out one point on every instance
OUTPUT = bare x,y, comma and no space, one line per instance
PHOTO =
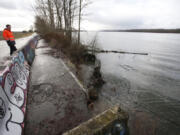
8,25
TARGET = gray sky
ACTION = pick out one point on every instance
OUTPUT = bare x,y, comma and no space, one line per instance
18,13
102,14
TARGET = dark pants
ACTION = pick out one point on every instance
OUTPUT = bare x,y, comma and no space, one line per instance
12,46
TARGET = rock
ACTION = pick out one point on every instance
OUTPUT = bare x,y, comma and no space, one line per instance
90,104
97,78
90,58
93,94
97,73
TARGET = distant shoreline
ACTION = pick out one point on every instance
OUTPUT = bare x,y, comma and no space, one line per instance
146,30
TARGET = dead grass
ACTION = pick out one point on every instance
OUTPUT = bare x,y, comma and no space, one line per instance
72,50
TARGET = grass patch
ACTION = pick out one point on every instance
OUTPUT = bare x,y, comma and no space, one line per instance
17,35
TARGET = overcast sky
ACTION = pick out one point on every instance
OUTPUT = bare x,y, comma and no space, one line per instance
102,14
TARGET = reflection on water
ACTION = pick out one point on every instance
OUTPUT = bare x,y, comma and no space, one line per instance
147,83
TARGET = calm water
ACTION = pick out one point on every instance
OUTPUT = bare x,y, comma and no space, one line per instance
149,82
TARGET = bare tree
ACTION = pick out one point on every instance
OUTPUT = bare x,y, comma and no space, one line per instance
82,4
51,13
69,9
41,9
79,23
59,12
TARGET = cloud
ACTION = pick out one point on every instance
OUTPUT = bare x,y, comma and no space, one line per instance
125,14
6,4
21,17
102,14
16,4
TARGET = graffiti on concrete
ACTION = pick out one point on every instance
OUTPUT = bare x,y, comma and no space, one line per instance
21,57
2,109
18,97
20,63
13,91
1,79
11,116
29,52
18,77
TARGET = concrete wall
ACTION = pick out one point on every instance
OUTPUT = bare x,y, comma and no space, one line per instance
14,80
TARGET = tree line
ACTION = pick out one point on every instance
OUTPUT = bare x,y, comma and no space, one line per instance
59,15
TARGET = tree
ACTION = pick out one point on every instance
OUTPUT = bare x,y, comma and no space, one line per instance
79,23
59,15
59,12
51,13
82,4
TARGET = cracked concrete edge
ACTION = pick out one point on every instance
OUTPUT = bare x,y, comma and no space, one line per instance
76,79
100,123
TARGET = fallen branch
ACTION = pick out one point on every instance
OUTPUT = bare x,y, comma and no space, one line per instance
112,51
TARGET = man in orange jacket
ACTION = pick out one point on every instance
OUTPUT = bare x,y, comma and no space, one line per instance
9,37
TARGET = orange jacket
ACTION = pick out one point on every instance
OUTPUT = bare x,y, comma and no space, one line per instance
8,35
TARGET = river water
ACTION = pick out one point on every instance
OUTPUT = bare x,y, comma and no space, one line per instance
149,84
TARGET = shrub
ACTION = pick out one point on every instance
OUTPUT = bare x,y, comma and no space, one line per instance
30,31
61,42
24,31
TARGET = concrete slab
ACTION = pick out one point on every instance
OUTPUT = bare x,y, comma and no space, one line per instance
111,122
56,103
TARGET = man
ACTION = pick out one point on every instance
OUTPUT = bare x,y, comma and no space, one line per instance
8,36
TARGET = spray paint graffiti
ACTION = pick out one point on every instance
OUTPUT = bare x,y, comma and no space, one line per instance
19,77
12,100
21,57
29,53
13,91
12,118
2,109
1,79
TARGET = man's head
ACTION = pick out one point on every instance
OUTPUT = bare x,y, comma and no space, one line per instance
8,27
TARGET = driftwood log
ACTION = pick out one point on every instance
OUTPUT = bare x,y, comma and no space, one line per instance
97,50
112,51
